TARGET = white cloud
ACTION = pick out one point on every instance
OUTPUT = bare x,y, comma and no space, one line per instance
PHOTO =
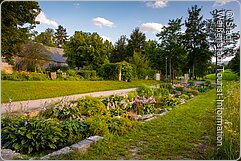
42,18
105,38
221,2
151,27
99,21
77,5
157,4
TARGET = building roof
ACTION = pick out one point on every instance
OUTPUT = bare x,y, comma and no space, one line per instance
56,54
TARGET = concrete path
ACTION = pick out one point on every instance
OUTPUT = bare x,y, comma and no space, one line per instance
40,103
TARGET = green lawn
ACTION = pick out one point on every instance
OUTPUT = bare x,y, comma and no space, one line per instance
187,132
25,90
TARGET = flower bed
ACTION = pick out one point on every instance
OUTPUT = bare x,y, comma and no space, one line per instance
66,122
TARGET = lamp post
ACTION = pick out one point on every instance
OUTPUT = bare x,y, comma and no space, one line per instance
166,69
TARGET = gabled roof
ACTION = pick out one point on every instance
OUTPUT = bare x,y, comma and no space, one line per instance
56,54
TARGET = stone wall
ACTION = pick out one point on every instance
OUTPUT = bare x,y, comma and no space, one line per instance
81,146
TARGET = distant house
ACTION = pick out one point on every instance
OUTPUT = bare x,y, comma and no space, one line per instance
56,58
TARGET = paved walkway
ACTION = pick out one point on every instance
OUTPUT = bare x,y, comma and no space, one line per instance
36,104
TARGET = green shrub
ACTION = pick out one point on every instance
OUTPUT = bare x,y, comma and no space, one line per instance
151,74
169,101
12,76
97,125
74,78
87,74
179,88
132,95
105,125
202,89
134,71
191,82
31,135
161,92
91,106
126,71
193,91
144,91
166,85
75,131
23,76
111,71
62,110
184,96
97,79
120,126
15,76
71,72
37,76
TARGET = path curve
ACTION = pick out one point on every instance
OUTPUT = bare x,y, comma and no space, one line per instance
35,104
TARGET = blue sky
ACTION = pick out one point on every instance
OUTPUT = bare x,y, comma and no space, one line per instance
111,19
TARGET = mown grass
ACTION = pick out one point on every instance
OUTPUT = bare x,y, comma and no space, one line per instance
187,132
226,75
25,90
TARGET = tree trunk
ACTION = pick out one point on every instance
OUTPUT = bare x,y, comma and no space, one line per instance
193,72
170,69
173,75
119,75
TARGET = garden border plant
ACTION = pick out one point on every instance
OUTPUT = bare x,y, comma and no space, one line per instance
73,121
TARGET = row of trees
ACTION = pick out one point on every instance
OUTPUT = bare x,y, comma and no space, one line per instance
52,38
178,52
187,52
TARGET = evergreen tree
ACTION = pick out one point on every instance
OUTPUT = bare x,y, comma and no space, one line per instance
196,40
136,42
61,36
173,49
120,51
154,55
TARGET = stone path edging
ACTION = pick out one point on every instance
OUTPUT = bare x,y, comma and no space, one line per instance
81,146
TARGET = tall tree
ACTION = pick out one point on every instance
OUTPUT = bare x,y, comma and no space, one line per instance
141,63
120,51
136,42
196,39
61,36
86,49
171,44
46,38
154,55
14,29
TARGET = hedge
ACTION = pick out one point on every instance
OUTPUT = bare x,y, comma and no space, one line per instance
111,71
